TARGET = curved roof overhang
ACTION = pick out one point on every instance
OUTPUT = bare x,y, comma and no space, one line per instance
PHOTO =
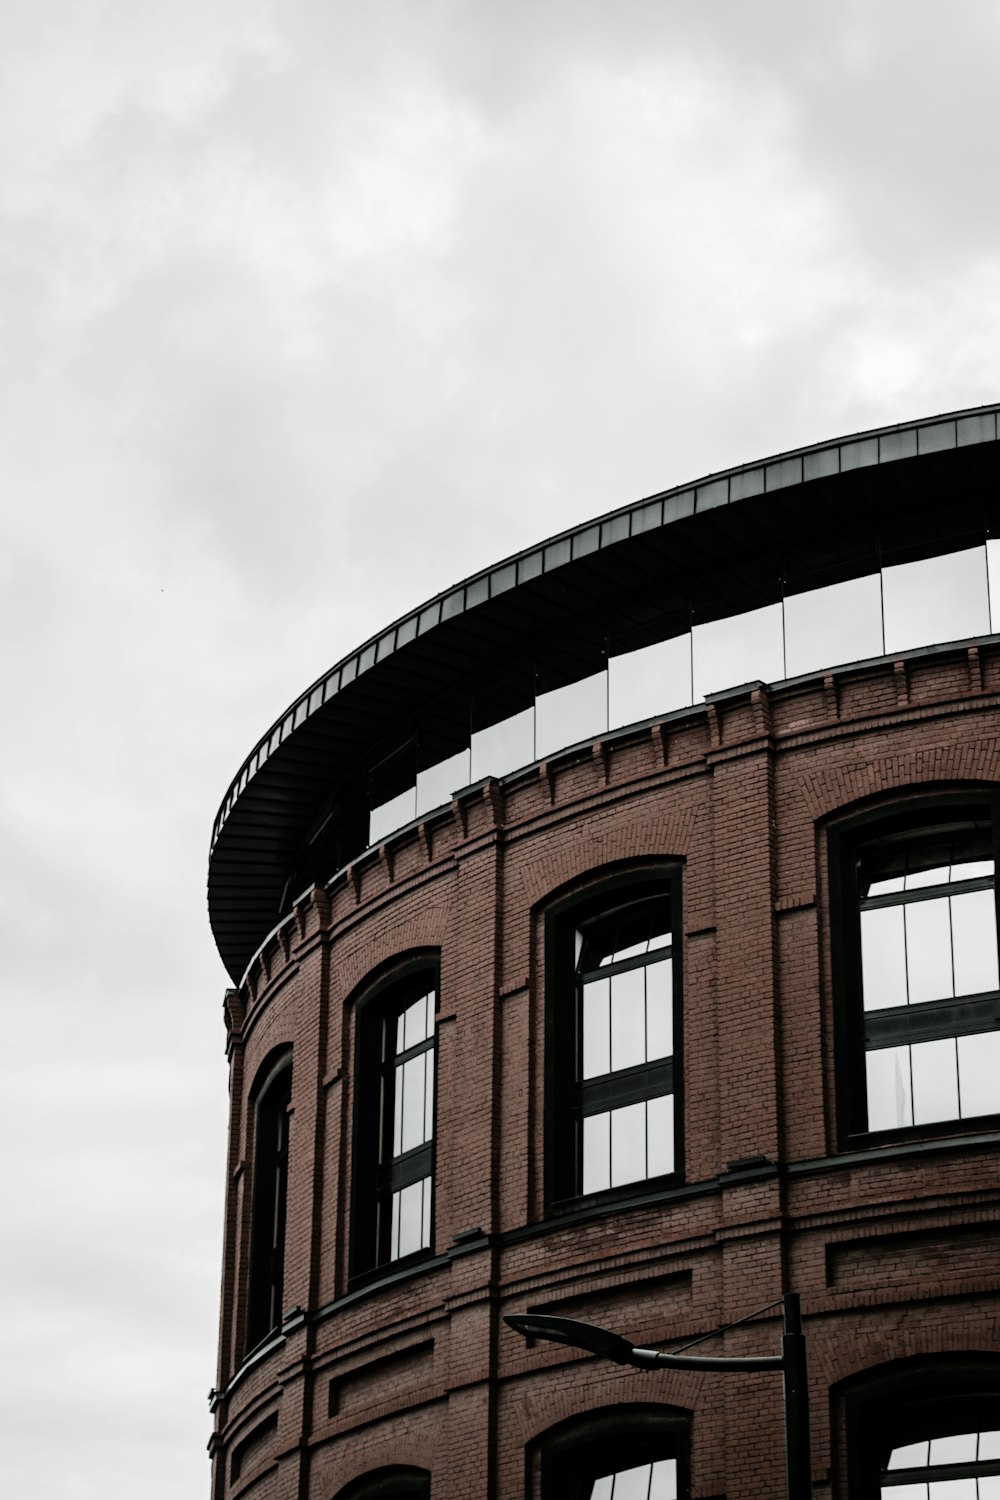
728,543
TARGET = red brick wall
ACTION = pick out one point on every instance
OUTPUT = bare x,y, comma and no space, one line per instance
893,1255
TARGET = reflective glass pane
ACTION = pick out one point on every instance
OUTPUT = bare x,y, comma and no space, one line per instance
910,1456
410,1078
957,1448
397,1117
740,649
939,599
596,1028
828,626
628,1144
890,1099
979,1078
632,1484
989,1487
883,957
952,1489
414,1023
628,1019
425,1236
972,869
660,1135
391,815
601,1489
436,784
989,1446
920,879
504,747
934,1068
664,1481
429,1096
653,680
394,1231
886,887
993,569
578,711
659,1009
596,1152
928,950
904,1492
410,1220
974,935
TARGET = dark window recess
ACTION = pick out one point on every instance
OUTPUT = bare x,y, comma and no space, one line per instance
395,1482
929,1431
270,1178
920,1021
612,1042
394,1122
623,1453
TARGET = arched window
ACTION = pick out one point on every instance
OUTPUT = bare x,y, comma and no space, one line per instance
394,1482
919,1019
393,1195
613,1037
270,1097
926,1430
620,1453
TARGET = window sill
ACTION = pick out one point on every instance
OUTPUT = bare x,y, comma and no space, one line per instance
868,1148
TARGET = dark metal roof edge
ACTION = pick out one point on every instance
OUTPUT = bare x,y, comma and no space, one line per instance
778,471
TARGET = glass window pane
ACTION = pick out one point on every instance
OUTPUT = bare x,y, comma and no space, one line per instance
989,1446
425,1237
840,623
919,879
504,747
660,1135
628,1144
578,711
659,1009
972,869
928,950
883,957
397,1115
414,1024
429,1096
436,784
410,1078
904,1492
910,1456
934,1068
394,1231
952,1489
602,1488
890,1100
632,1484
974,935
411,1202
957,1448
743,648
628,1019
989,1487
885,887
653,680
391,815
939,599
596,1028
979,1077
664,1482
596,1152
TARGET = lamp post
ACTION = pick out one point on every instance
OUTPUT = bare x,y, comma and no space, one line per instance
791,1362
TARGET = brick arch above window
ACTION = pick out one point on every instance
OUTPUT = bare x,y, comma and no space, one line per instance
590,1455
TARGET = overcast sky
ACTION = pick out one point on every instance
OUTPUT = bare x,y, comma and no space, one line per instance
309,309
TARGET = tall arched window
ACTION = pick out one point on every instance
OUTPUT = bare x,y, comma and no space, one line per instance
270,1097
393,1172
613,1037
919,1011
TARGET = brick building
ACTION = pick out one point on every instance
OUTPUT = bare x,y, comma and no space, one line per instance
616,937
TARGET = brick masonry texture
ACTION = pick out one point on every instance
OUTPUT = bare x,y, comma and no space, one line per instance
894,1252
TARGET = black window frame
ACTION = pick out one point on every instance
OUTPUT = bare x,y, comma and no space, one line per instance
568,1097
909,1401
563,1463
271,1098
376,1175
856,1031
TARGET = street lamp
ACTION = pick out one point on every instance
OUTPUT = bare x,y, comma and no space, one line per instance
791,1362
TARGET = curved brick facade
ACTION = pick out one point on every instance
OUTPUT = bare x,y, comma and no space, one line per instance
892,1241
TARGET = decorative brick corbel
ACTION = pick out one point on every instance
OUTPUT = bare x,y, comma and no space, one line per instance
426,840
547,772
234,1010
714,725
901,677
387,855
460,812
495,801
831,696
354,876
760,702
601,752
661,742
975,662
